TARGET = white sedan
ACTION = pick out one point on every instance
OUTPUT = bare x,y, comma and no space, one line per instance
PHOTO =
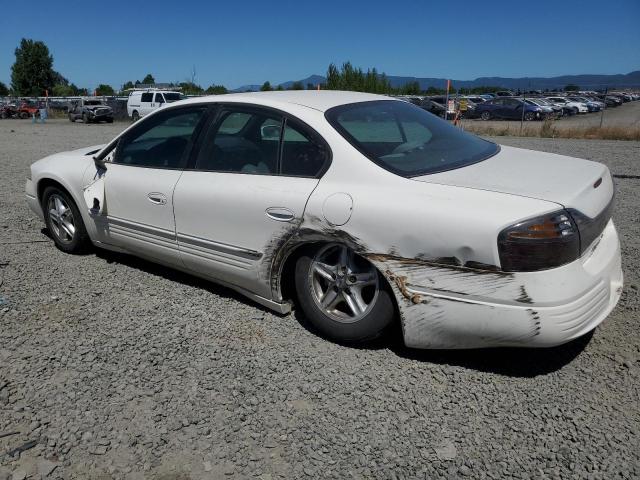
360,209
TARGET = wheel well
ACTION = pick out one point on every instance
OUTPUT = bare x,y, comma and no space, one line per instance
288,280
49,182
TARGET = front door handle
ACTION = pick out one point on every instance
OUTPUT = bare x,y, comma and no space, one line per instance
280,214
157,198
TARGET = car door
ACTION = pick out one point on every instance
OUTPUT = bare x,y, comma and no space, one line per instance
140,179
158,100
246,193
512,109
146,101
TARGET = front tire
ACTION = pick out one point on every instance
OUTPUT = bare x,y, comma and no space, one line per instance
85,118
529,116
485,116
135,116
64,221
342,294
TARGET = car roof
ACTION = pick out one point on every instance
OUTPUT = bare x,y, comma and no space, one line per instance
321,100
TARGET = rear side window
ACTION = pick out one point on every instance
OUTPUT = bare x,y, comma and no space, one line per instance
161,141
302,155
240,142
146,97
405,139
260,141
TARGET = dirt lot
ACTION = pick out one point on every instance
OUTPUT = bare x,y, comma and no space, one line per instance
111,367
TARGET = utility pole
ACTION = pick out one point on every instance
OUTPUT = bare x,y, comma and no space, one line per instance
606,90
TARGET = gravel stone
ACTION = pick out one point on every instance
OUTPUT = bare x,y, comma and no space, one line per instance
137,371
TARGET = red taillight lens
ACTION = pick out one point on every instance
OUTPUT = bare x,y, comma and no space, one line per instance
540,243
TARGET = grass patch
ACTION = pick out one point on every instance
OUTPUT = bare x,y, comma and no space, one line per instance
550,129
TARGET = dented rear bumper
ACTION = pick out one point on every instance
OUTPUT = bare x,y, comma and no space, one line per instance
453,307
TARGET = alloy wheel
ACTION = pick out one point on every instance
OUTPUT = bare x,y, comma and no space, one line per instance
343,285
62,222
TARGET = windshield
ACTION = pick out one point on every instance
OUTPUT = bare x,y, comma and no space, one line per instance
92,102
407,140
173,97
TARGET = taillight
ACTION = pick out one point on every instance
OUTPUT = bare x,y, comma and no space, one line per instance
540,243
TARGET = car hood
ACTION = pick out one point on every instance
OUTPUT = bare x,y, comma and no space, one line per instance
571,182
93,107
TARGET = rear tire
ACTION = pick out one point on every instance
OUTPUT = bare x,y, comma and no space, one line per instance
64,221
71,118
342,294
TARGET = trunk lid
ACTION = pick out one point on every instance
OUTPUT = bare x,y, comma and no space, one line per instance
571,182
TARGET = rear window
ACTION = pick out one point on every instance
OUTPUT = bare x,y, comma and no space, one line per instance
407,140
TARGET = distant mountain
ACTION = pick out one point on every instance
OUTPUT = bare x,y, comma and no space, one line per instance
587,81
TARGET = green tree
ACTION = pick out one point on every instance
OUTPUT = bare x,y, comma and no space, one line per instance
127,86
32,73
296,86
148,79
310,86
217,90
190,88
571,88
104,89
266,87
61,90
279,88
4,91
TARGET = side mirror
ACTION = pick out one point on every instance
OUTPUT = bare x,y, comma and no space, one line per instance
100,163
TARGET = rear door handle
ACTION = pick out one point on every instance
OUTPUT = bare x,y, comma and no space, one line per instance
280,214
157,198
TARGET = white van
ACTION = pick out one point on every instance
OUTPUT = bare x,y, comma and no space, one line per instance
142,102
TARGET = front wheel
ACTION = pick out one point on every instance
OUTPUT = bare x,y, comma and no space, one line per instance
64,221
485,116
342,294
135,116
529,116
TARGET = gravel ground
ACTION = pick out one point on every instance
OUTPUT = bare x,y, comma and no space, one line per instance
111,367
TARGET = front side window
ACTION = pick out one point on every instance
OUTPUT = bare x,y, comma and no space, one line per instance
146,97
161,141
407,140
159,98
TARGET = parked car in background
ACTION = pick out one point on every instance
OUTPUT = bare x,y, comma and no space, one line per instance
568,105
143,102
510,108
610,100
469,244
591,106
505,93
9,110
28,109
548,108
476,99
90,110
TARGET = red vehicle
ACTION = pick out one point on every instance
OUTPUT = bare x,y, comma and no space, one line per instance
28,109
